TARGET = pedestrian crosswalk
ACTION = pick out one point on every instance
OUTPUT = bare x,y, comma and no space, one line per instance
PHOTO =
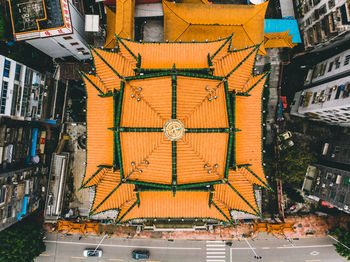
215,251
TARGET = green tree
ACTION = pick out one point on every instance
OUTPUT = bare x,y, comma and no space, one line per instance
22,241
343,236
293,164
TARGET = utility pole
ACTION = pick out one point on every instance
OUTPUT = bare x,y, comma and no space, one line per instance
252,249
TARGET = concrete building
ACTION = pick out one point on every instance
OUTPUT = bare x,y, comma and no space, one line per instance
22,145
326,96
323,20
329,179
22,90
19,194
55,27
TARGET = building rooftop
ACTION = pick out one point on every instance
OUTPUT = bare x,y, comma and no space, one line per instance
174,130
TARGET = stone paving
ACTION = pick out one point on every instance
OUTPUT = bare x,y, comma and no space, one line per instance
310,226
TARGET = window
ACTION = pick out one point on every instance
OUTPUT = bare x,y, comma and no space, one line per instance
7,68
337,62
2,195
331,4
347,60
67,37
9,211
18,71
330,66
338,92
14,100
81,49
3,97
75,43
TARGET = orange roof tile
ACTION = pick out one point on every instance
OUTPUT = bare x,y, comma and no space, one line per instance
99,118
199,22
165,55
248,120
124,18
163,204
111,193
111,19
280,39
200,153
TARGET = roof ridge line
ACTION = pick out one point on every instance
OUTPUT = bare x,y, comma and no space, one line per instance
262,77
222,46
222,212
147,103
127,211
99,169
256,176
119,39
84,75
245,59
240,195
104,60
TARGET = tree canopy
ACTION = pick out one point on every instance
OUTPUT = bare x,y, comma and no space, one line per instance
343,236
22,241
293,164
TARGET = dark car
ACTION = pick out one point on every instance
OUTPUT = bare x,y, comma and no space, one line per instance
140,254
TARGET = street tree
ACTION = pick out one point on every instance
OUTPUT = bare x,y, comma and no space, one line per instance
22,242
293,164
343,236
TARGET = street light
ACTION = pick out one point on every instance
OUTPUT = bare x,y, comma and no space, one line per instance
251,248
337,241
106,234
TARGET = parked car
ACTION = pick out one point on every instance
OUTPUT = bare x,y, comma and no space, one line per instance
286,145
140,254
284,136
92,253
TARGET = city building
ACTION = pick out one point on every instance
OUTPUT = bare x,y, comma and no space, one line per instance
323,20
27,94
326,96
22,90
175,132
56,27
329,179
22,145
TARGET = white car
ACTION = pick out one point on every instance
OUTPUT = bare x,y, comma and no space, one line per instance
92,253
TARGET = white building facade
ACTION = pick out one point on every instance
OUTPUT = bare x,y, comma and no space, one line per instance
323,20
327,94
21,90
57,28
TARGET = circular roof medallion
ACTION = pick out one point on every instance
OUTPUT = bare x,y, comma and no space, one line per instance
174,129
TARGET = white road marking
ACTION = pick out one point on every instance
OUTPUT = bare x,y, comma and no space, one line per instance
80,257
265,247
111,245
216,251
115,259
44,255
313,260
314,253
307,246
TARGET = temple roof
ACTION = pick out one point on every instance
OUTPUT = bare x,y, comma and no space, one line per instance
279,39
180,137
202,22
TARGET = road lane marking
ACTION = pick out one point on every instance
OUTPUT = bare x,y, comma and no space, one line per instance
80,257
265,247
307,246
111,245
216,249
115,259
216,253
313,260
215,260
209,257
44,255
213,245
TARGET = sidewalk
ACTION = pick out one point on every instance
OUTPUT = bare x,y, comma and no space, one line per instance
309,226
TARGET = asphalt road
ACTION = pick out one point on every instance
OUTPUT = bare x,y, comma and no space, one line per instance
61,248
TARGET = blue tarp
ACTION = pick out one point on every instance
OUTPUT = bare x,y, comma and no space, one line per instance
24,208
283,25
34,139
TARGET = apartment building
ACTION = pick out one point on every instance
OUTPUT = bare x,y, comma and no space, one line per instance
329,180
326,96
322,20
20,194
22,145
22,90
56,27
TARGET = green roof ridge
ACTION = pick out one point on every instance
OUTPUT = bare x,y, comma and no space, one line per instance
84,76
